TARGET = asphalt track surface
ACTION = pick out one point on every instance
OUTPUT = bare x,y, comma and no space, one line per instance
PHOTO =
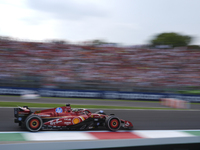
141,119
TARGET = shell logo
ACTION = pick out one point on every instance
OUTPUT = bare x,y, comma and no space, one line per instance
75,120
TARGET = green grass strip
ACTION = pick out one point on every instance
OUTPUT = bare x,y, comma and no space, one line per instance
50,105
197,133
11,137
124,100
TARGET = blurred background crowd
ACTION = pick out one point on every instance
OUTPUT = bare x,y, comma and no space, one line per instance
93,67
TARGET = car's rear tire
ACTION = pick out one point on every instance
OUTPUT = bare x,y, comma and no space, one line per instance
113,123
33,123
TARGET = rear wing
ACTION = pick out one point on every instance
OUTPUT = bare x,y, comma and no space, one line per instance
21,113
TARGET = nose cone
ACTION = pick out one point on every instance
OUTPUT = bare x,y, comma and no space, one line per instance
128,124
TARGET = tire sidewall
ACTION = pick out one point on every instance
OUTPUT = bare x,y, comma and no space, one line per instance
27,123
108,121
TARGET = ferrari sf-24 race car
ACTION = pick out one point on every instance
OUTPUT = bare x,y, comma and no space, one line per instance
65,118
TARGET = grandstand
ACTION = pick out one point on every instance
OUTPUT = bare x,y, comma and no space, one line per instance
73,66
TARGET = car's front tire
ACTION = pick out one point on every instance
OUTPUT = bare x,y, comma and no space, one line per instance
113,123
33,123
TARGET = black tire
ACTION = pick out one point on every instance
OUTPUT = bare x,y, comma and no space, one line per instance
33,123
113,123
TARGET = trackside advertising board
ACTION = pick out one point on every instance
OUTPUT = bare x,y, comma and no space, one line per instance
96,94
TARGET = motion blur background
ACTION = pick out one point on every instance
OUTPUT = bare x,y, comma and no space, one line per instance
101,45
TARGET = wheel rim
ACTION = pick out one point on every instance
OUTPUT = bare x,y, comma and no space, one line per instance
114,123
34,124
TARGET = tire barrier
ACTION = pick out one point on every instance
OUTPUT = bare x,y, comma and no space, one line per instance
175,103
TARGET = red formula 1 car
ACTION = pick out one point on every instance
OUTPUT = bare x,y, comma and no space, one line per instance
65,118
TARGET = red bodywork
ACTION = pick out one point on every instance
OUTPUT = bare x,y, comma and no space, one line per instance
67,117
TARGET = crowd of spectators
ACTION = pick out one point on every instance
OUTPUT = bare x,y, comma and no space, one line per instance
65,64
